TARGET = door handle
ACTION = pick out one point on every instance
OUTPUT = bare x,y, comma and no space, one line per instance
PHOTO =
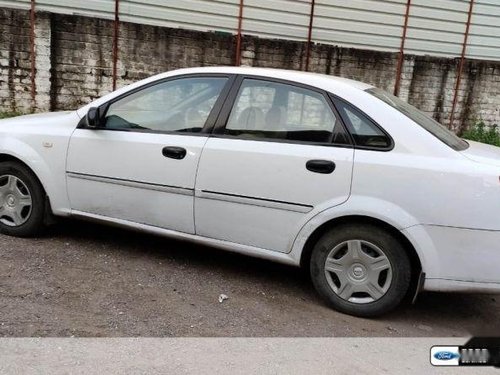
174,152
321,166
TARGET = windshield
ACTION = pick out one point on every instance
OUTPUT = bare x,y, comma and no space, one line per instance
425,121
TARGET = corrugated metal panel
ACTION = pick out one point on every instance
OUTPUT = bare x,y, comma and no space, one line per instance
203,15
16,4
484,34
285,19
369,24
437,27
90,8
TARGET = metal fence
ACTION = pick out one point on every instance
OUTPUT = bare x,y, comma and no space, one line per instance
447,28
434,27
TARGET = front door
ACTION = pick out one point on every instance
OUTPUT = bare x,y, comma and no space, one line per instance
280,155
140,165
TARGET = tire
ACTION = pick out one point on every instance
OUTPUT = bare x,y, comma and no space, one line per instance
368,271
18,185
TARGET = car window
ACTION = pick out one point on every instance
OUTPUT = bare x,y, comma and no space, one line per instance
181,105
265,109
363,130
428,123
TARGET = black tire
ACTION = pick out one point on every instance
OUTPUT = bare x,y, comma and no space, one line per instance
392,249
34,223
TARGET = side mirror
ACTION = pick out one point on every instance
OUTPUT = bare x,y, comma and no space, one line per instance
93,120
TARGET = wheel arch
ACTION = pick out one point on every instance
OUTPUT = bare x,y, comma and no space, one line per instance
7,157
416,264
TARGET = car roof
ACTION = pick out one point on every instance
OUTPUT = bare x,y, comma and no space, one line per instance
336,85
308,78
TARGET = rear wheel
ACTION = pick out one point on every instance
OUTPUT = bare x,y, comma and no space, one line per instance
360,270
22,201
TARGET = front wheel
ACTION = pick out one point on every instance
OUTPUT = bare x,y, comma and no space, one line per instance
360,270
22,201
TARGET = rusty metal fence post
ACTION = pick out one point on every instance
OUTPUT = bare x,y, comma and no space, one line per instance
116,31
237,61
461,65
309,35
402,50
32,53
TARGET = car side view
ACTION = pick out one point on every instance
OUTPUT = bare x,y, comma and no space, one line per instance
374,197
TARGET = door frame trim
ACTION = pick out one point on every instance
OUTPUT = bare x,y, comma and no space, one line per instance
227,107
209,123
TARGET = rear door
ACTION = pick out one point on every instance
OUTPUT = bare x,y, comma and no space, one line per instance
279,153
140,165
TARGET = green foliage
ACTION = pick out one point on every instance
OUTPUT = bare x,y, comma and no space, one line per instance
481,133
9,114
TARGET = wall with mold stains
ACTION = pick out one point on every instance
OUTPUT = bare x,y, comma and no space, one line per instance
74,64
15,62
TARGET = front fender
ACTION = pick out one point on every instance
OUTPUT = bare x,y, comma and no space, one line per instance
38,160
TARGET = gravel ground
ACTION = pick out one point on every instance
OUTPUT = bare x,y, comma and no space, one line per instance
87,280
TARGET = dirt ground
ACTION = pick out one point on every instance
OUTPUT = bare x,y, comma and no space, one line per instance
84,280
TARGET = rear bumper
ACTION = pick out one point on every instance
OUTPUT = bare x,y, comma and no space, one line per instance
458,259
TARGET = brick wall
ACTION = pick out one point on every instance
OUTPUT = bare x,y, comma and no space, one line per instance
15,62
74,65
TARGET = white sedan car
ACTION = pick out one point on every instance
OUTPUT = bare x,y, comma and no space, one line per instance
378,200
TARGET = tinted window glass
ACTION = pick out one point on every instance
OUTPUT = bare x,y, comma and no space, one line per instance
266,109
179,105
422,119
364,131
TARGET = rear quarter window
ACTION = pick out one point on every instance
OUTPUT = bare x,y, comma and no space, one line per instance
364,131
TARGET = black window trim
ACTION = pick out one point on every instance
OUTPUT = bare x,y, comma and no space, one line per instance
219,115
225,112
336,99
209,123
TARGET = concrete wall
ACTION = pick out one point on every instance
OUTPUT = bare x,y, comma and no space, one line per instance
15,61
74,64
